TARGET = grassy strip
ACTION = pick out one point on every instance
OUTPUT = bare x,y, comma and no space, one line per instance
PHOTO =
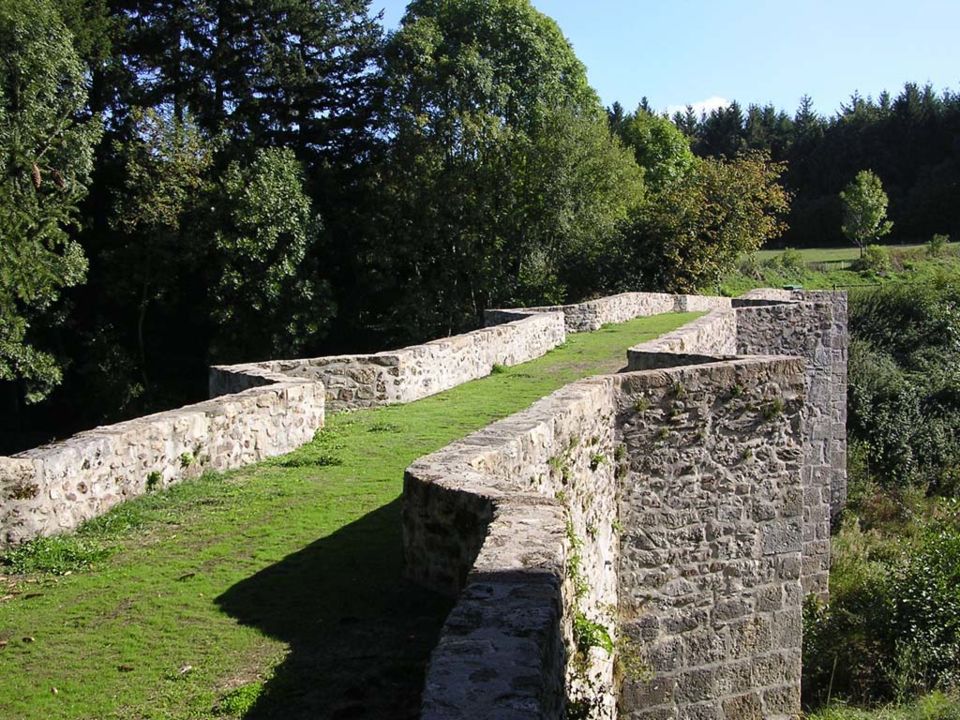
935,706
911,266
842,254
273,591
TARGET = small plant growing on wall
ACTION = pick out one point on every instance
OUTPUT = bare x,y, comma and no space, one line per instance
589,633
596,460
186,460
630,663
773,409
559,464
153,480
642,404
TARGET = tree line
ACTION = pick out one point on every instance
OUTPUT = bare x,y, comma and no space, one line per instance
187,182
910,141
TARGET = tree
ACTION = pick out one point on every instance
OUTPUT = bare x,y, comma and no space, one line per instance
501,173
685,237
46,155
864,210
660,147
165,165
268,298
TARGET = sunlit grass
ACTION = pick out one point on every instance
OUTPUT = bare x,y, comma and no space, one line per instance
273,591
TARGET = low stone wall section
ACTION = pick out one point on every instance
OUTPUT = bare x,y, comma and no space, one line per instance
415,372
812,326
707,339
519,520
542,515
711,509
594,314
54,488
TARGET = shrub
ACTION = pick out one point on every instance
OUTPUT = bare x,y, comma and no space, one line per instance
904,401
876,259
892,628
937,245
792,261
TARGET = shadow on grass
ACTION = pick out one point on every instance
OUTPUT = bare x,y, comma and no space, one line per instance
359,634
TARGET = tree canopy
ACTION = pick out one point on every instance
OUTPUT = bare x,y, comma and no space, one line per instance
46,156
279,178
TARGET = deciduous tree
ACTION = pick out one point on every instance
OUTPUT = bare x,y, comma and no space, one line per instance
864,210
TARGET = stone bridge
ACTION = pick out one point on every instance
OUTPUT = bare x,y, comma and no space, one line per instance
634,545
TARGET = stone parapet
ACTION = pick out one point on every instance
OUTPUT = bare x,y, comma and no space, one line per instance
567,513
726,446
54,488
411,373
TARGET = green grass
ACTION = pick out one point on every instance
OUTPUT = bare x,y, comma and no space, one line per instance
272,591
827,268
935,706
840,255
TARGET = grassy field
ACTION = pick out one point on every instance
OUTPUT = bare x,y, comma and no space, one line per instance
935,706
270,592
839,255
829,268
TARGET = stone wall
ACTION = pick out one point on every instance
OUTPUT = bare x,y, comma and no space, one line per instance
711,508
549,515
719,433
813,327
54,488
593,314
706,339
411,373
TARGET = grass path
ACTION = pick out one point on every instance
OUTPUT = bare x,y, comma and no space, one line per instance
270,592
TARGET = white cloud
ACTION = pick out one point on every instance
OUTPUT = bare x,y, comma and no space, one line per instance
711,103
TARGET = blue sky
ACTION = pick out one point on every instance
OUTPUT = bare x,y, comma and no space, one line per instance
689,51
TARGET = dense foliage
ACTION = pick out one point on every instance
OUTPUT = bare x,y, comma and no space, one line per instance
46,155
892,628
904,400
281,179
907,139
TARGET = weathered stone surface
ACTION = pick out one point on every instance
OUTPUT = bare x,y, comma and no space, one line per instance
54,488
718,516
811,325
411,373
698,562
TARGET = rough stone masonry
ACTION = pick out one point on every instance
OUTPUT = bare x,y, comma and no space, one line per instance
639,545
635,545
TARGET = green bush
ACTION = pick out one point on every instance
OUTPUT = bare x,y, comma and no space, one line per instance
903,396
792,261
892,628
937,245
875,259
